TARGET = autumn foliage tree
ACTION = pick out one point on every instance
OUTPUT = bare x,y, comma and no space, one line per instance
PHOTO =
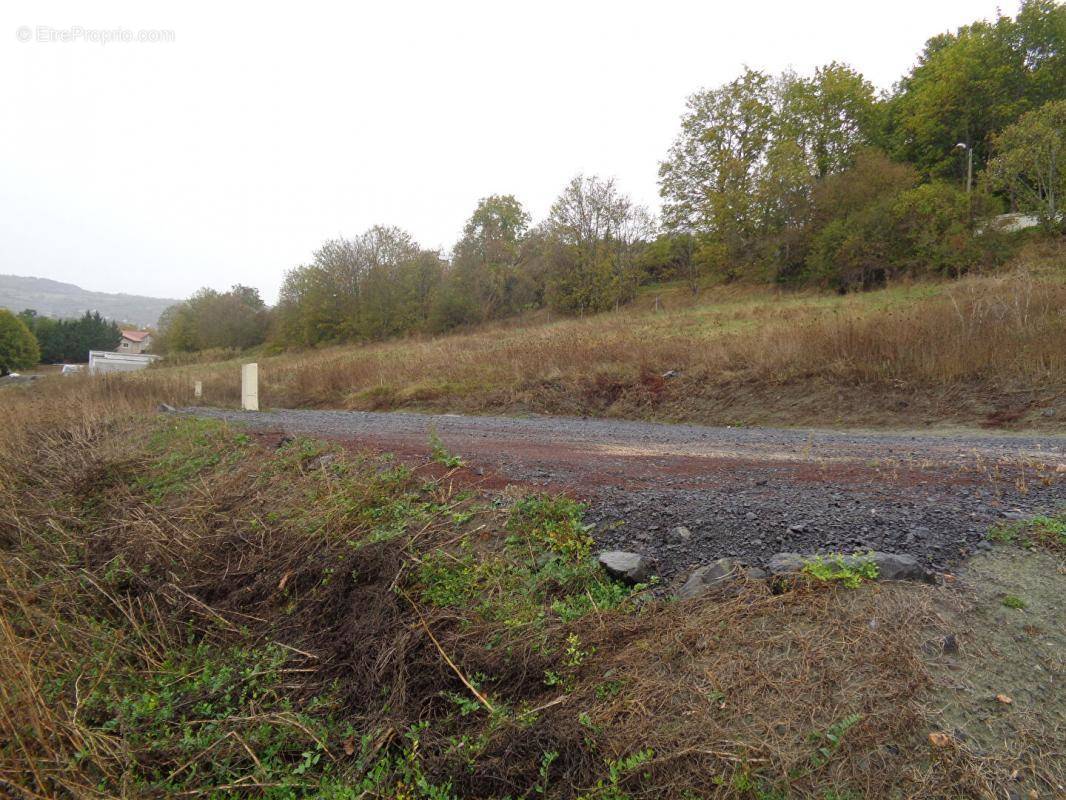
210,319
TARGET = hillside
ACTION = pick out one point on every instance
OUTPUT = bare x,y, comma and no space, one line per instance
63,300
987,350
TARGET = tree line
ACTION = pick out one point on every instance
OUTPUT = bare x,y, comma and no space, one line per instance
28,338
795,179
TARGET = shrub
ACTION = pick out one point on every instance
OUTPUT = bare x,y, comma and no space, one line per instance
18,347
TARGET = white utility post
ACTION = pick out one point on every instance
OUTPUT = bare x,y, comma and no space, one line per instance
250,387
198,389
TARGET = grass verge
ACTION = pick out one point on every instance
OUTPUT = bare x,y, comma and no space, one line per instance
1046,532
186,612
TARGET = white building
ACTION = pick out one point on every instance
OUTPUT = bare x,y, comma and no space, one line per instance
101,361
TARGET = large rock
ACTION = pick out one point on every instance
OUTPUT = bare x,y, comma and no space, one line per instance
628,567
703,578
890,566
785,563
901,567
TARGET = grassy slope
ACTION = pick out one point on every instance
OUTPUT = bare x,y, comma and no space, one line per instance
185,612
980,350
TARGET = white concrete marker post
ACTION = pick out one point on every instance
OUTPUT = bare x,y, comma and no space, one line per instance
250,387
198,389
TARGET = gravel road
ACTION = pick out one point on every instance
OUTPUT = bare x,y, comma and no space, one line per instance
740,492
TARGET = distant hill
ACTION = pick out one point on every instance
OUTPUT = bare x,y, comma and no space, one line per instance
55,299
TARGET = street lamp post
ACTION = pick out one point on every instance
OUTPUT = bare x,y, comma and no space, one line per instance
969,179
969,164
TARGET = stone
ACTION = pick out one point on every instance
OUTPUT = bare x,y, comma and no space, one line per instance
628,567
680,534
704,578
671,373
785,563
165,408
756,574
900,567
799,527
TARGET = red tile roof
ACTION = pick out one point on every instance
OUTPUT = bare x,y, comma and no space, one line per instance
136,336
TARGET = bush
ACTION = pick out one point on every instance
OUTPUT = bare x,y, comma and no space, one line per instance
18,347
930,226
915,232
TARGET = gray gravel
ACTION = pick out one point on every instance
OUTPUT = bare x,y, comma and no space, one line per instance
741,493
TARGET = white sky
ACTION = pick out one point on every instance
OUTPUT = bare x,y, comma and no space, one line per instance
231,153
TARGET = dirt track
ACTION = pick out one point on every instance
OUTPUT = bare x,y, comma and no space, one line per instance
746,493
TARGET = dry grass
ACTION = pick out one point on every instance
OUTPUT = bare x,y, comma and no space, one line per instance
118,552
986,348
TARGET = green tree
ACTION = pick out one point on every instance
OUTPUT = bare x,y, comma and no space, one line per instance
211,319
485,279
376,285
969,85
18,347
71,339
709,179
875,234
592,240
829,116
740,173
1028,162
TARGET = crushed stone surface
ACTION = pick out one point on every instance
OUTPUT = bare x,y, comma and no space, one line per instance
744,493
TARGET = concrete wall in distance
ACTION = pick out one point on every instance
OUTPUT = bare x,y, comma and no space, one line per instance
101,361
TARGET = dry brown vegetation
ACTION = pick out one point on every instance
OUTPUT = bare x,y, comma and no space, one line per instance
186,612
982,350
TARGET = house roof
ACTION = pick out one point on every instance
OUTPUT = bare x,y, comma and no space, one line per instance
136,336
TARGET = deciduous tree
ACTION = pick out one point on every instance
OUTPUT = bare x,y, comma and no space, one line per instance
1029,162
592,238
18,347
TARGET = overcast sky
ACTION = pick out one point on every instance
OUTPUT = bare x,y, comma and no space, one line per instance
230,153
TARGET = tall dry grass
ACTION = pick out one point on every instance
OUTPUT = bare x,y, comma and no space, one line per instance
750,355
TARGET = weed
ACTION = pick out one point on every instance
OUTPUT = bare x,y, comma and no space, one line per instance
618,770
554,523
575,656
184,449
608,689
541,786
1012,601
506,587
830,741
1047,532
440,454
850,571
